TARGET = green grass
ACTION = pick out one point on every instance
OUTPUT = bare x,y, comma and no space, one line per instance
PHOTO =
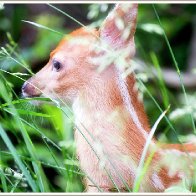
38,141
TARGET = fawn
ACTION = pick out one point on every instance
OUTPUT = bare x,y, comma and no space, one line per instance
112,126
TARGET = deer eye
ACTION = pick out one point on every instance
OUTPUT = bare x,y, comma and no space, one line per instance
56,65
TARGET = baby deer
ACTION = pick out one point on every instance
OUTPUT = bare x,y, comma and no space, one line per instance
85,70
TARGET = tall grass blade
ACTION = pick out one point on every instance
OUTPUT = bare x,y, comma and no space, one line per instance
43,27
72,18
15,186
163,88
25,100
8,55
3,181
17,159
166,118
180,77
144,153
176,66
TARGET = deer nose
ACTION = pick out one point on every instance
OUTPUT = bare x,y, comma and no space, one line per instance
29,89
26,90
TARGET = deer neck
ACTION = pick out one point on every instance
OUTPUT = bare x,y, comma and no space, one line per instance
110,107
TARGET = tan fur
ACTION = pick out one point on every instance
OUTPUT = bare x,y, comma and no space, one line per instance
109,135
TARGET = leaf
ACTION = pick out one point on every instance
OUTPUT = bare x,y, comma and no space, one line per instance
19,101
20,111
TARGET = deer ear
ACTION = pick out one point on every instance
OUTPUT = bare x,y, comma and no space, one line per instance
119,27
